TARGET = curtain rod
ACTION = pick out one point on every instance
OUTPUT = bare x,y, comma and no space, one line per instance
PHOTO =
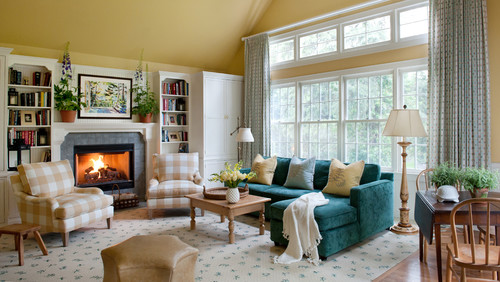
318,18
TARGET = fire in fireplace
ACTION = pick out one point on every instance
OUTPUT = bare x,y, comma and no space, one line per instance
104,165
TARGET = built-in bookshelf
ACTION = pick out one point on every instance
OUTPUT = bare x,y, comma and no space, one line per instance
28,116
173,94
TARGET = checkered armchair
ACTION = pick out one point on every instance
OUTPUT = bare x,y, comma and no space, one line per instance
46,195
174,176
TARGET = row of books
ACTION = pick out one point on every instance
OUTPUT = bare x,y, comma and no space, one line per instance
180,87
36,79
46,156
30,137
173,119
173,104
20,117
171,136
35,99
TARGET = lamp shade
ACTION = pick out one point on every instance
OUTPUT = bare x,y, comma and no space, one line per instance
244,135
405,123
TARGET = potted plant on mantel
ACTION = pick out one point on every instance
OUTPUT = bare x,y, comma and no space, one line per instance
479,180
146,104
66,97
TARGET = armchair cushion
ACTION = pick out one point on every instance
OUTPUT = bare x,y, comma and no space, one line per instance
74,204
181,166
50,179
172,189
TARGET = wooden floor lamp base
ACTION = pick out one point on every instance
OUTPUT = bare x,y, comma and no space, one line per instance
404,230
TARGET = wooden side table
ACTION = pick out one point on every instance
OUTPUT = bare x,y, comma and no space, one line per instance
20,232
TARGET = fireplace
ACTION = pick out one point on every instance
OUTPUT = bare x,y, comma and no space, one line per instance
104,165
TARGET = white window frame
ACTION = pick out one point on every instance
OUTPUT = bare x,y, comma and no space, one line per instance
394,43
297,54
374,45
395,68
420,37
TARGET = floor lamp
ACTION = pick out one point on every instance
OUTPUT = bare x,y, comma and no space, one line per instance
404,123
244,136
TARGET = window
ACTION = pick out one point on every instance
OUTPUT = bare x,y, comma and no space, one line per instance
414,22
415,97
320,114
367,32
281,51
357,34
318,43
369,101
343,114
283,121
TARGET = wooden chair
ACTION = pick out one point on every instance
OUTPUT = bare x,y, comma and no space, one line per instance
427,175
471,255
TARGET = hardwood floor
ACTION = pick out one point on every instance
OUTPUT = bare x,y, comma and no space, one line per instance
411,269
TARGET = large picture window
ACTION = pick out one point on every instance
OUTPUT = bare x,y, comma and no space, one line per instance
343,115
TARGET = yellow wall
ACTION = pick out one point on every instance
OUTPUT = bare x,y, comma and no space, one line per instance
494,52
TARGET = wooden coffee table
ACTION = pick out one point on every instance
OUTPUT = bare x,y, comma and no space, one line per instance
245,205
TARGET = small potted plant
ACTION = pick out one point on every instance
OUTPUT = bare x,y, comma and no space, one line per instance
145,102
66,97
231,177
478,181
445,174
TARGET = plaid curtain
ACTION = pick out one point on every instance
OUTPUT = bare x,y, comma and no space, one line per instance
459,89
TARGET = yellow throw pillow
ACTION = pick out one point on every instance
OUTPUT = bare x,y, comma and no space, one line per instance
342,178
264,168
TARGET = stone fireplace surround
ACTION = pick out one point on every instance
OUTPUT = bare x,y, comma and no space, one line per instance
66,135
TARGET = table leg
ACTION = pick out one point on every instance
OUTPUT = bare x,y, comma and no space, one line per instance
437,234
20,250
420,245
262,219
231,228
40,242
193,215
222,218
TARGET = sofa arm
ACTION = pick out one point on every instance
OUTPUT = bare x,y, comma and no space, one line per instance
88,190
374,202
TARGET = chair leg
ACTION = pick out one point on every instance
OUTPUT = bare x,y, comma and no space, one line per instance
108,222
448,268
150,213
426,247
65,238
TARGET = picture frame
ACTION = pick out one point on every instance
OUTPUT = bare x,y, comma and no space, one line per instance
174,136
28,118
172,120
106,97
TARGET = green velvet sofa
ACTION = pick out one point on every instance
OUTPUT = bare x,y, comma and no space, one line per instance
344,221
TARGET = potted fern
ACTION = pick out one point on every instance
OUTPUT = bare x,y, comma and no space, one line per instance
479,180
66,97
445,174
145,102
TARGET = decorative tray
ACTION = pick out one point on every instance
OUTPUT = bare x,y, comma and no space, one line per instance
220,193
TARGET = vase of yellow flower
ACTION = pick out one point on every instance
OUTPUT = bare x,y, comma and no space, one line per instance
231,177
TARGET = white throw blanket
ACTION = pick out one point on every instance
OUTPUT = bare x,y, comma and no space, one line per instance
301,230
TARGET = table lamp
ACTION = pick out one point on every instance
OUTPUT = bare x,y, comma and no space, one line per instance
404,123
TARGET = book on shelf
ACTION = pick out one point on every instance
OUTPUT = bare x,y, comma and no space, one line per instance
47,79
180,87
46,156
37,76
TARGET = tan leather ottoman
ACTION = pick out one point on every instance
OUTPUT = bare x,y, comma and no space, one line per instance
150,258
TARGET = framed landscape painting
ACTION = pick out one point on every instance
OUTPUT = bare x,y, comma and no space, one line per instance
105,96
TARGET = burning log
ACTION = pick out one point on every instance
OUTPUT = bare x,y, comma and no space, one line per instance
88,170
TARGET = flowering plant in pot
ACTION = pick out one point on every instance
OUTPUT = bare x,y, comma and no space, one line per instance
66,97
145,102
479,180
231,177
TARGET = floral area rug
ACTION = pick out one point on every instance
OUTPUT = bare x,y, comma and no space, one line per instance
249,259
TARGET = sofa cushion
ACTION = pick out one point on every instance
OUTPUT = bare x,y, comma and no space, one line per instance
182,166
342,178
75,204
281,171
337,212
49,179
372,172
264,168
173,188
300,173
280,193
